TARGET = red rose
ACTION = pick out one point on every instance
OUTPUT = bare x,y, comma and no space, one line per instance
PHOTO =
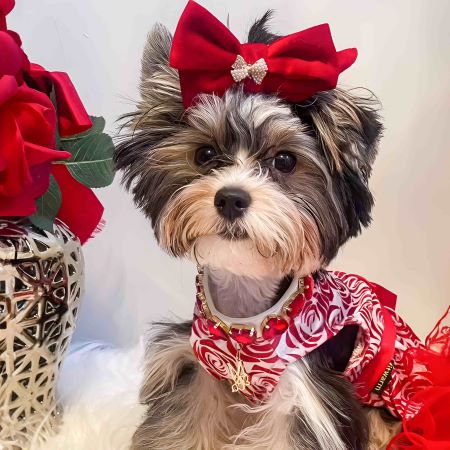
13,60
36,105
27,129
27,147
6,6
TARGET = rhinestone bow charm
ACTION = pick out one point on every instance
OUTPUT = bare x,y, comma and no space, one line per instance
256,71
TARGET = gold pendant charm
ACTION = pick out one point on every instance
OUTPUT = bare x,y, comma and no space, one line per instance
238,375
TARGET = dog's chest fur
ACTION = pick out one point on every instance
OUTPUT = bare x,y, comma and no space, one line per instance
313,406
237,296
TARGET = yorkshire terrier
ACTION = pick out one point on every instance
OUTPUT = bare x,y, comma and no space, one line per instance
257,191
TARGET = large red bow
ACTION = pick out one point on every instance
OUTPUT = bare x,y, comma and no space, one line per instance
210,59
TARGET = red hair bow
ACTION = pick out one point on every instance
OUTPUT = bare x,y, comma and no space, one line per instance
210,59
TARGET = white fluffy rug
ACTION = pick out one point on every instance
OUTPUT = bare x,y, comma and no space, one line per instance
98,390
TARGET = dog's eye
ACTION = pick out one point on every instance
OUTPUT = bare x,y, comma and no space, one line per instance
204,155
285,162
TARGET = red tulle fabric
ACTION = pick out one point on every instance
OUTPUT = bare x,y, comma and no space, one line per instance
426,425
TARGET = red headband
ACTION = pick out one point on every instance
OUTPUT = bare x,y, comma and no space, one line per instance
210,59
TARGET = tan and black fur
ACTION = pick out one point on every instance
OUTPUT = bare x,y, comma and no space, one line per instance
294,226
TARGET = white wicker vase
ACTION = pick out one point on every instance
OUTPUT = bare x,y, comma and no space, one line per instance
41,285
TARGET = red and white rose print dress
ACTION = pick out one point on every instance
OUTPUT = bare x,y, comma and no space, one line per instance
390,367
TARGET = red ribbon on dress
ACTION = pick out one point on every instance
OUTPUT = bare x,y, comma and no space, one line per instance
375,369
294,67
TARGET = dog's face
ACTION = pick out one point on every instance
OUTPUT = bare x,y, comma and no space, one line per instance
247,182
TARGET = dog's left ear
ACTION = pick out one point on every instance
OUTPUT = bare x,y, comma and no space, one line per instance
348,129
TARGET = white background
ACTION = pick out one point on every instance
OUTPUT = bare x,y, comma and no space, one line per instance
404,57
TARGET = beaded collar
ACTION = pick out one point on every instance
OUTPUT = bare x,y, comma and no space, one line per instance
253,353
267,324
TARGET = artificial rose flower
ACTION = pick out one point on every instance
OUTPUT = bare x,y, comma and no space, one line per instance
13,60
27,147
35,104
6,6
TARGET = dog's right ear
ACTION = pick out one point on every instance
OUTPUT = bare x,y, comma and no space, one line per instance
157,116
161,103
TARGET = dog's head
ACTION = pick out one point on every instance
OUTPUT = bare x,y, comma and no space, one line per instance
248,182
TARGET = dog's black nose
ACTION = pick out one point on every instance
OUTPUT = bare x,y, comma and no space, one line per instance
231,202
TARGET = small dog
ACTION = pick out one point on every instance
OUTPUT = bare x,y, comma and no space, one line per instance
257,192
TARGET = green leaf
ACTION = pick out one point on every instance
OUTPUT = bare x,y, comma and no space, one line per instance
93,174
98,125
90,148
91,162
47,207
